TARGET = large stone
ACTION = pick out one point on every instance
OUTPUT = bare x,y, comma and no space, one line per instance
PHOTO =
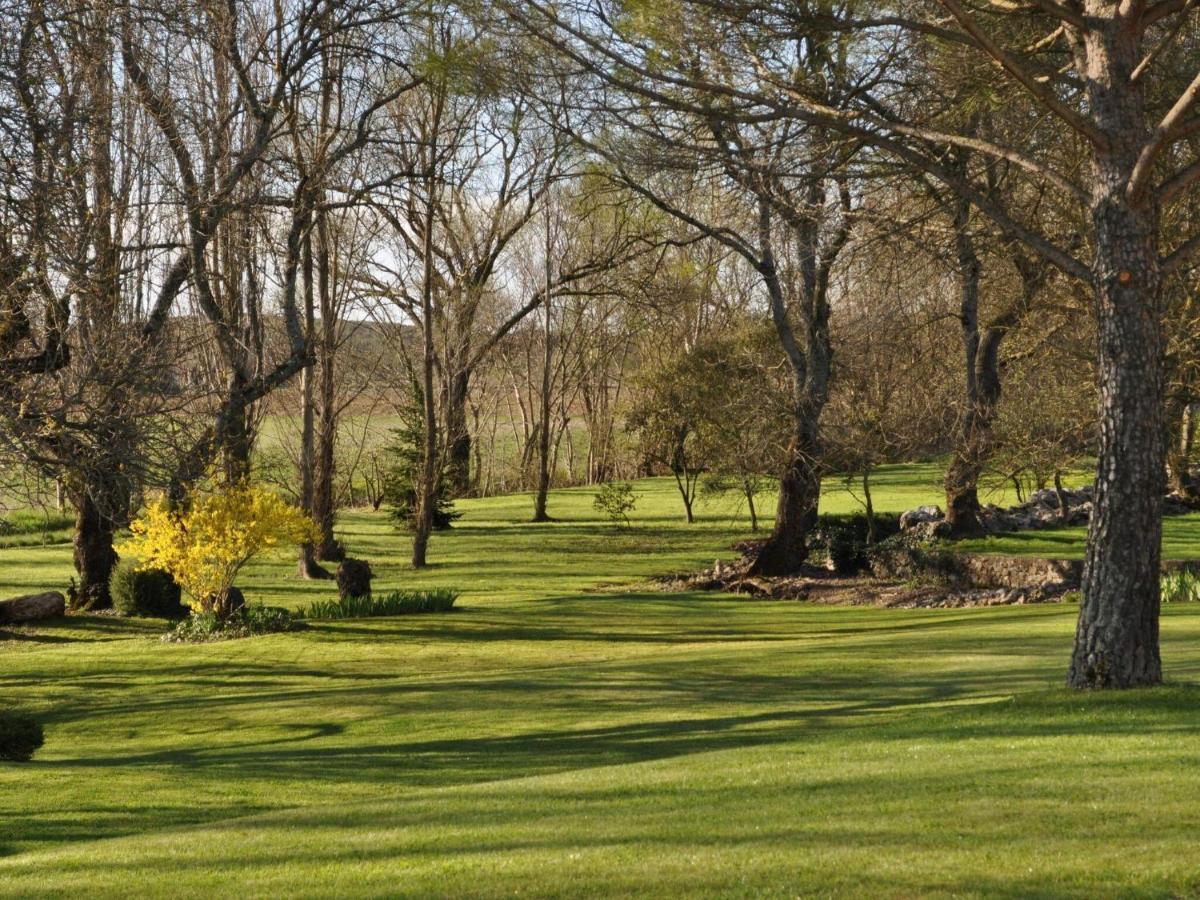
919,516
32,607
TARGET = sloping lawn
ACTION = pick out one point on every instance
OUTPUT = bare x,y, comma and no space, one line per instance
570,732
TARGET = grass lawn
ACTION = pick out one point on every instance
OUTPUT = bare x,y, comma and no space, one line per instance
570,732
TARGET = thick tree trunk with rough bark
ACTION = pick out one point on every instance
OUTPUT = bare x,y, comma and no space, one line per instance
796,512
94,555
1116,640
458,436
962,476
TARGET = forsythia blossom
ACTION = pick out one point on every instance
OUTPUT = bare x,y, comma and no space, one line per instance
205,546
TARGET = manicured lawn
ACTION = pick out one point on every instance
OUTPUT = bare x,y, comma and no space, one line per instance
570,732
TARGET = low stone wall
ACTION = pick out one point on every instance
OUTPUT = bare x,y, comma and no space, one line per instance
978,570
975,570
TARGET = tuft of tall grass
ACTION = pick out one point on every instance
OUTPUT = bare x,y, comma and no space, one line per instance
397,603
1180,587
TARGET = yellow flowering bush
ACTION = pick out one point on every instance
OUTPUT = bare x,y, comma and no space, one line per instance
205,545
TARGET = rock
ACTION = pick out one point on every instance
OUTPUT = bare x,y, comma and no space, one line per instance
919,516
33,607
354,578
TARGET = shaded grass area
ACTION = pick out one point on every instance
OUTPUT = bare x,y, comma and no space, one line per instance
566,732
612,743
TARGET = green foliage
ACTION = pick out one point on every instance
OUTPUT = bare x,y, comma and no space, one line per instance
616,500
248,621
147,592
20,737
1180,587
397,603
406,461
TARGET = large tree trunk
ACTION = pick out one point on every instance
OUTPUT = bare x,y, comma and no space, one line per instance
786,550
962,476
93,551
307,566
1116,640
458,435
324,512
428,472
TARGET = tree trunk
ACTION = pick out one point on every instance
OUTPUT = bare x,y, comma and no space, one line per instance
1178,438
307,566
870,505
796,513
683,481
748,491
458,435
1116,639
323,510
428,471
962,476
543,482
93,551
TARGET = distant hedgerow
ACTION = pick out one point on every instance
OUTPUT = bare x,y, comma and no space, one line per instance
397,603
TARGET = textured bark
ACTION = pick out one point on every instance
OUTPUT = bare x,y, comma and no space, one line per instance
307,566
962,476
94,555
1116,640
458,436
796,512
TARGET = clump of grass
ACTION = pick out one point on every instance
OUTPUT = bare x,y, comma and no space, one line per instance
397,603
1180,587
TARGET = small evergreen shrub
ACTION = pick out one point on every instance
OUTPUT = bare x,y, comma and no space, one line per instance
148,592
1180,587
616,500
405,463
248,621
20,737
397,603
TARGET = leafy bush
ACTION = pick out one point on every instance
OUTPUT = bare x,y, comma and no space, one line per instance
397,603
145,592
1180,587
247,621
20,737
616,500
206,545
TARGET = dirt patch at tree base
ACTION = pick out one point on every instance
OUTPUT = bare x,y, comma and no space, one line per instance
837,590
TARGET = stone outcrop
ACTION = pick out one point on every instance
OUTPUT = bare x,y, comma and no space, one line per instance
1044,509
33,607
